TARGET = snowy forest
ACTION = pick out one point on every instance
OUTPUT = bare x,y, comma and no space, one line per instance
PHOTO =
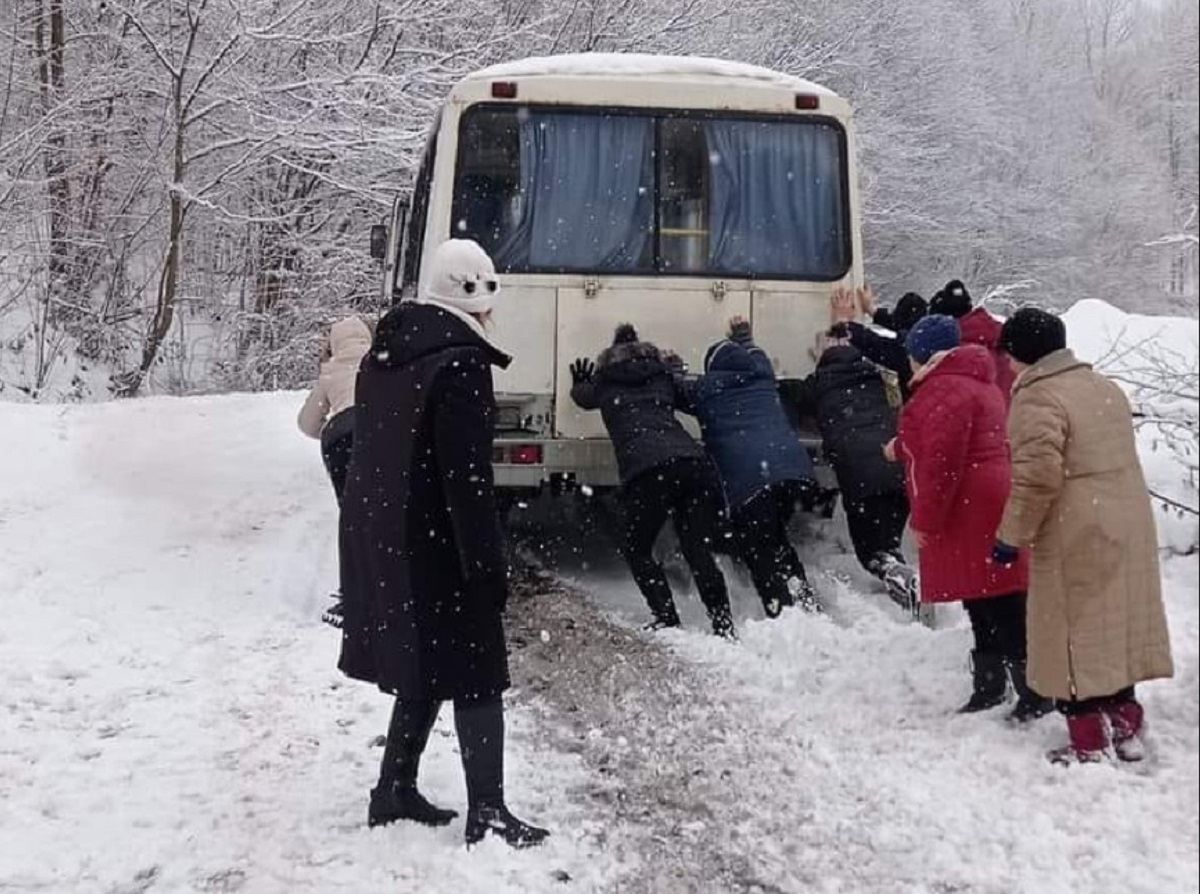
186,186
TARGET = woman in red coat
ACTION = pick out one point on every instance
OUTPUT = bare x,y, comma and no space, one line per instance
954,445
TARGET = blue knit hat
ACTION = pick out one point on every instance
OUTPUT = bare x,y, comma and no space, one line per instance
930,335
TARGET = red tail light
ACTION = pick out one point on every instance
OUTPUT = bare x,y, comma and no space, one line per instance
504,90
808,102
526,455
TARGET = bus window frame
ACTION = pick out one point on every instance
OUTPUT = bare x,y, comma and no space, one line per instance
414,233
657,114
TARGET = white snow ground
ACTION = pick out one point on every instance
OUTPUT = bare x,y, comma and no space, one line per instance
171,719
170,715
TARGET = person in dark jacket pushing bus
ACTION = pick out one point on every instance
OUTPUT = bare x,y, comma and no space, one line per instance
763,465
847,397
664,473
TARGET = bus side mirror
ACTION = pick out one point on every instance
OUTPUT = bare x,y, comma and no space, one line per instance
379,236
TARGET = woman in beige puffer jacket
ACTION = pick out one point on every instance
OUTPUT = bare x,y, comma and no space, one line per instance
328,412
1096,624
333,395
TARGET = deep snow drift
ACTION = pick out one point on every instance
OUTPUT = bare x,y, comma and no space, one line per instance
172,719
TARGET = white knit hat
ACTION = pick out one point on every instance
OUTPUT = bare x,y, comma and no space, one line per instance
462,276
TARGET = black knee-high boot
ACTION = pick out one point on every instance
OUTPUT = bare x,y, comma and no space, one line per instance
480,727
396,797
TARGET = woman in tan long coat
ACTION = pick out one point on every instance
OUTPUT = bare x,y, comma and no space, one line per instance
1096,624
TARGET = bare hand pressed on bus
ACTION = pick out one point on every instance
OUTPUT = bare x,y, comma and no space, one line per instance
738,325
843,305
866,300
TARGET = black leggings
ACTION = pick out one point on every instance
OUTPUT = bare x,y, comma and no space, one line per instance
999,625
480,728
760,526
335,453
876,525
688,492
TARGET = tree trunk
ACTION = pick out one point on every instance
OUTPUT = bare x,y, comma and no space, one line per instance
168,284
52,84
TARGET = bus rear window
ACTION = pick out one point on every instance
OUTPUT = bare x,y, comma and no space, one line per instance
547,190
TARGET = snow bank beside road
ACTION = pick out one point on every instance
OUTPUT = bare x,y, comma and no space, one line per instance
1155,359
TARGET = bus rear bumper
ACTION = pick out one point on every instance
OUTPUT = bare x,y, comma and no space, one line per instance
565,464
531,463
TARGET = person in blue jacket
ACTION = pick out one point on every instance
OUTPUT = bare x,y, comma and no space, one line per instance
764,467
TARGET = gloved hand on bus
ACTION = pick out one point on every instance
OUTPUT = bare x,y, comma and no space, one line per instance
582,370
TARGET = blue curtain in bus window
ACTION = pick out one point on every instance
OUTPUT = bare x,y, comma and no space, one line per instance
776,194
586,197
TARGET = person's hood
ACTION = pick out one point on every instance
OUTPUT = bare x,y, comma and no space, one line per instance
909,309
414,329
727,356
631,362
971,361
839,355
349,339
980,328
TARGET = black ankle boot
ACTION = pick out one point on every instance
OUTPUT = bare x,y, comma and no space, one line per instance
392,802
498,821
990,682
1030,705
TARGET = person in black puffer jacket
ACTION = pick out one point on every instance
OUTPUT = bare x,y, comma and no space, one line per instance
848,398
763,465
664,473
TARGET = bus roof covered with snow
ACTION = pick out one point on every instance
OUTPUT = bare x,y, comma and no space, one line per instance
669,192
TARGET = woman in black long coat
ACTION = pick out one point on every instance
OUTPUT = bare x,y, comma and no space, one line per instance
423,569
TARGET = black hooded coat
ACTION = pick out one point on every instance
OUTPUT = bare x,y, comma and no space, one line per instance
423,566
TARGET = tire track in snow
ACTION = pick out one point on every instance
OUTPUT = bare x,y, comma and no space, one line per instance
673,773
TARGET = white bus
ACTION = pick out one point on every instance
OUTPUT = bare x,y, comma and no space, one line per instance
668,192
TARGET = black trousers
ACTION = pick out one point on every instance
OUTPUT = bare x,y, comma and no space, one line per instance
337,445
480,729
1093,705
999,625
688,493
760,528
335,453
876,524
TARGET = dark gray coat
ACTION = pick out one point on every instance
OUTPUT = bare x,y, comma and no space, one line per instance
634,391
423,567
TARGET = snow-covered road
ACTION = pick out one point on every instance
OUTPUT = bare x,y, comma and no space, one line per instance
170,718
170,714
